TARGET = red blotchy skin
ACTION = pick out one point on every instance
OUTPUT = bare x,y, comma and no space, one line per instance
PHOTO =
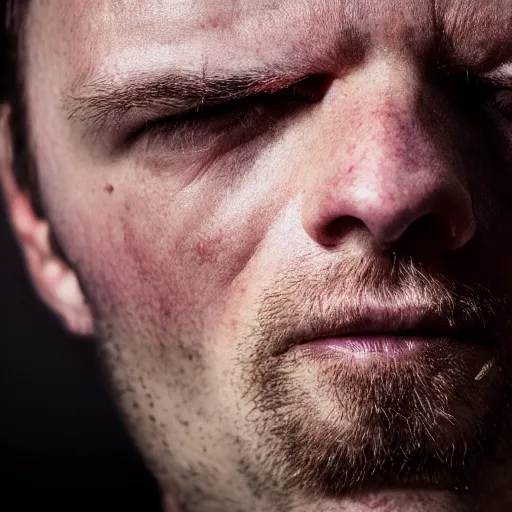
219,19
207,251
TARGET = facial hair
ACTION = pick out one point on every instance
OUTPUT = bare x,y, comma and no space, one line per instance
424,421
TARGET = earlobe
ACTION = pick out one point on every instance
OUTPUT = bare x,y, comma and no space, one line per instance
54,280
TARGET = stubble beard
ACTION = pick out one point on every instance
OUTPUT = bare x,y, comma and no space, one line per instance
419,423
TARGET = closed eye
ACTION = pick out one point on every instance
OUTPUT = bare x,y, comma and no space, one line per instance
207,124
497,89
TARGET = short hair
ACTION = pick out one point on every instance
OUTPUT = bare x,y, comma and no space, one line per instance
12,91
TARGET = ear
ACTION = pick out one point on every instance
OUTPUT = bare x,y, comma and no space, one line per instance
54,280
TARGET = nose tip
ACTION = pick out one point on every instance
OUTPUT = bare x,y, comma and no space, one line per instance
431,214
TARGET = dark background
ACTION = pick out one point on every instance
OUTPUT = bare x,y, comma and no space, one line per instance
60,436
61,439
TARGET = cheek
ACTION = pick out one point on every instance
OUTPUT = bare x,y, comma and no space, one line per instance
165,270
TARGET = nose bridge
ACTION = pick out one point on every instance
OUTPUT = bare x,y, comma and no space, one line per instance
392,153
388,133
387,168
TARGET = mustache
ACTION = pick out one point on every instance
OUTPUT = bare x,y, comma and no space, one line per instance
363,295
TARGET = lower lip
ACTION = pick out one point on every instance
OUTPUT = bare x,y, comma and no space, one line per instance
372,345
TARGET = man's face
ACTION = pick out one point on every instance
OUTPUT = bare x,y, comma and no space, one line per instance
290,220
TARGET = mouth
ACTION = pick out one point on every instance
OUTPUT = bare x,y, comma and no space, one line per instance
393,333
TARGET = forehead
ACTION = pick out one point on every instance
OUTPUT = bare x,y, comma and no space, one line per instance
114,35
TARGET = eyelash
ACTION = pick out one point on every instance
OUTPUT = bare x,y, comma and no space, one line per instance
247,117
243,119
201,126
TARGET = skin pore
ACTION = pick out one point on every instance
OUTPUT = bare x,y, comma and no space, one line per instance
328,159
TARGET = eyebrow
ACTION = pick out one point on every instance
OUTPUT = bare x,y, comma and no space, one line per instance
104,101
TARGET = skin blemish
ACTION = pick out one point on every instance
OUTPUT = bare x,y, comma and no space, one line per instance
205,252
208,248
218,19
109,188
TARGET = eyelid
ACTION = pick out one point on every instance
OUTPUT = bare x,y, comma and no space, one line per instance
243,122
215,119
307,89
210,116
310,88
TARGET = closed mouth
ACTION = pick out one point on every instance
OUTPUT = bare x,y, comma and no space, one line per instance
405,323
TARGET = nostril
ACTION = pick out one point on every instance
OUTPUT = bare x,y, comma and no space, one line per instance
337,229
428,234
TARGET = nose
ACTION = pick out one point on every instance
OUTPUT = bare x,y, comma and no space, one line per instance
393,168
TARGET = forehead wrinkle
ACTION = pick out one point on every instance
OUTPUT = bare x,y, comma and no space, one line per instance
305,33
334,35
305,47
301,30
